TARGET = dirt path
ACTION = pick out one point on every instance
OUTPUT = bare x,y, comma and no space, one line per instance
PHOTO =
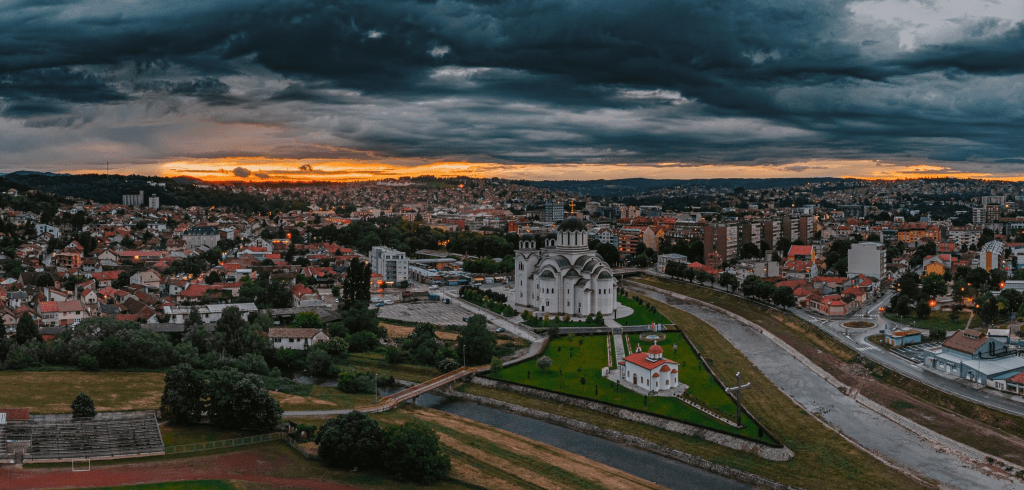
256,465
585,469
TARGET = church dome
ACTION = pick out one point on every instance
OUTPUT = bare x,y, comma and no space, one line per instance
527,237
655,350
551,236
572,224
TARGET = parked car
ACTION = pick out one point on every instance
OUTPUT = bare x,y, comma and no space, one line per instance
500,329
380,304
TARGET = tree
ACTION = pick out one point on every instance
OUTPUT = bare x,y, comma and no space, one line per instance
353,440
83,407
989,309
784,297
923,309
238,337
496,365
123,279
609,253
363,341
26,330
476,341
182,401
320,363
212,278
413,452
934,285
240,401
750,251
355,287
749,286
728,280
1013,299
44,280
903,303
544,363
309,319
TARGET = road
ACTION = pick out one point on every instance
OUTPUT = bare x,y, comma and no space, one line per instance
878,434
856,339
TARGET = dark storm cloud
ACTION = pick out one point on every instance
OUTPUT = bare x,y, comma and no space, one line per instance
531,81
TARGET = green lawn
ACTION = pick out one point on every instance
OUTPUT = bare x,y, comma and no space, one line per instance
179,485
641,315
937,319
576,370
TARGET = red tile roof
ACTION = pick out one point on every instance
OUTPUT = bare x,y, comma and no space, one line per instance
640,359
800,250
60,306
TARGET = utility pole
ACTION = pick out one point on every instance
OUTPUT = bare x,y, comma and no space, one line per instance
376,394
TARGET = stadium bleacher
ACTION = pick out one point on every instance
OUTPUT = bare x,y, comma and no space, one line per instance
108,435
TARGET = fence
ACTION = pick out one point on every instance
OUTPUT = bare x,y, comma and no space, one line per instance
226,443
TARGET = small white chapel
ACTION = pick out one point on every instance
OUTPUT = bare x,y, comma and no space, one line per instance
650,370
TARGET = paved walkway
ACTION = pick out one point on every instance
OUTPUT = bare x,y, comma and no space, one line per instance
810,388
517,329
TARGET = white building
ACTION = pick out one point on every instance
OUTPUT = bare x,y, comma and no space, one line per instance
200,236
297,338
42,228
866,258
991,255
209,313
650,370
565,276
664,259
389,263
154,202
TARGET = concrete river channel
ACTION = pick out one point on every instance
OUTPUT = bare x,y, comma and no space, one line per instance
652,467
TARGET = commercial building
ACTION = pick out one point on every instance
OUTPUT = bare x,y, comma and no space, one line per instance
391,264
991,255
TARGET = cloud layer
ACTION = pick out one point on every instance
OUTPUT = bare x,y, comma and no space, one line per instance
735,82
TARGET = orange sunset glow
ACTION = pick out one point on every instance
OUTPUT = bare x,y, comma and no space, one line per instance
326,170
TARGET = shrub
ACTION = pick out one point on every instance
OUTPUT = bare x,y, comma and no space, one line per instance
87,362
353,382
544,363
353,440
82,406
364,341
448,365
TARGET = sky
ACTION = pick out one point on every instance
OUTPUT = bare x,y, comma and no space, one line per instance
537,89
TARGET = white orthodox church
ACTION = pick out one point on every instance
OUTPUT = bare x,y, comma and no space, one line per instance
565,276
650,370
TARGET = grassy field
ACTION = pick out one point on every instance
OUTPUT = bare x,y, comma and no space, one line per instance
576,370
192,434
936,320
53,392
374,362
640,315
322,398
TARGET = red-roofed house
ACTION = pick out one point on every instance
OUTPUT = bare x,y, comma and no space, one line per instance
650,371
61,313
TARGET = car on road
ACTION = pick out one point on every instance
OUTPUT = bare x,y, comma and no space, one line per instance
380,304
388,302
500,329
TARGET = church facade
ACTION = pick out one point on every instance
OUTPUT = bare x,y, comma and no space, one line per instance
564,276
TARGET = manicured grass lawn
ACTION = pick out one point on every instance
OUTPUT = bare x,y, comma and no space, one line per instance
576,370
53,391
180,485
937,319
640,315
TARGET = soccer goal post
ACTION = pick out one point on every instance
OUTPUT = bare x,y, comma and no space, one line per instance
81,464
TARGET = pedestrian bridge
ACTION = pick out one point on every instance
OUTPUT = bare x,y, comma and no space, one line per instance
391,401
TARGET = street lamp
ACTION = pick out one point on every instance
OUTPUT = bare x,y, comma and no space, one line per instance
376,394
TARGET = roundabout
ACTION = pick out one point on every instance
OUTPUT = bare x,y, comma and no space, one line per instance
858,324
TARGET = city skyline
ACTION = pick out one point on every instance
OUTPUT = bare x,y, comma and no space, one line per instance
544,91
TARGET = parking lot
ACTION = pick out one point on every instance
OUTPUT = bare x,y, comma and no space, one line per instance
432,312
917,352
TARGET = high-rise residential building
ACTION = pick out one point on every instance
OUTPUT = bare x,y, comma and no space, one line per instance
721,238
771,232
866,258
750,232
392,264
154,202
554,211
